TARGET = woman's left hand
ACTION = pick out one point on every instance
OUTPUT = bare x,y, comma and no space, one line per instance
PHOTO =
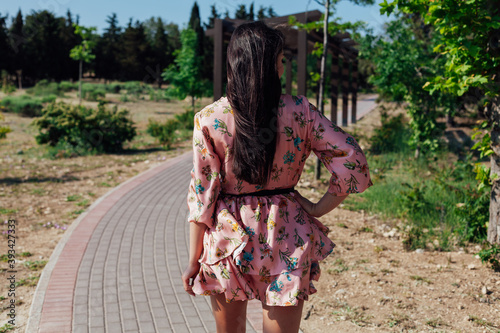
188,277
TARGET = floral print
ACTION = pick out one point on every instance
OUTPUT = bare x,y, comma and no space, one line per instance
266,247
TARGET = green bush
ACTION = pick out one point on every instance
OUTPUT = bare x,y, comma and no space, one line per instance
113,88
158,95
93,92
392,136
185,120
65,86
87,130
25,105
135,88
44,87
165,133
491,254
8,88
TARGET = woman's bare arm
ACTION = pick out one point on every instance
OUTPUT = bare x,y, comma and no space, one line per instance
196,232
322,207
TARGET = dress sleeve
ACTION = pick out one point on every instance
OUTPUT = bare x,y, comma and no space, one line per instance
340,153
205,176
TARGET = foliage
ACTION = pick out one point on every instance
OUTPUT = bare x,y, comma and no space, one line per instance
166,132
163,132
439,200
468,62
88,130
185,75
391,136
26,105
403,64
83,51
491,254
4,129
93,92
484,144
45,87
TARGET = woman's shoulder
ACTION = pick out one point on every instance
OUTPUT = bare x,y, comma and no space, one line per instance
293,100
217,109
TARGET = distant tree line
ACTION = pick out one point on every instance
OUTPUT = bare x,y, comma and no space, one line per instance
37,46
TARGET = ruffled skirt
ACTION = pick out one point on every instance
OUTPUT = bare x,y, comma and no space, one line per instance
264,248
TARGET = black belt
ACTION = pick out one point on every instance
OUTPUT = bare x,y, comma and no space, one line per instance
261,193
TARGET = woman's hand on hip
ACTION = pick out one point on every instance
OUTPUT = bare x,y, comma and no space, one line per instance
327,203
188,277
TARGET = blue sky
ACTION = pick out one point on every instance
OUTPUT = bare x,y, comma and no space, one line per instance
94,12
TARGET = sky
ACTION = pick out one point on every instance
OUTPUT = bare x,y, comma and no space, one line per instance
95,12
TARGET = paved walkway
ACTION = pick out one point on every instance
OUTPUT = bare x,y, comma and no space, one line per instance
118,267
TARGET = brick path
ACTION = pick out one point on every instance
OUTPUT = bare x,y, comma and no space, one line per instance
118,267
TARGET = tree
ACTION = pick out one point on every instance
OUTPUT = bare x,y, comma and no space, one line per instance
250,15
5,57
44,47
213,16
404,62
184,75
472,61
241,13
107,50
83,52
135,52
17,46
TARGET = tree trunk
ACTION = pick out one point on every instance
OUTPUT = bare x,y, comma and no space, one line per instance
322,74
80,82
20,78
494,223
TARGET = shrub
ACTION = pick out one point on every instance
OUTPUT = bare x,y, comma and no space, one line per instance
87,130
8,88
113,88
185,120
158,95
44,87
392,136
92,92
26,105
135,88
165,133
65,86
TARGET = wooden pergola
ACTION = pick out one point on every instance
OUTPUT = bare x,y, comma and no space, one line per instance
298,44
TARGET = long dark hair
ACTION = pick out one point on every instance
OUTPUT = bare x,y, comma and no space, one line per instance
254,90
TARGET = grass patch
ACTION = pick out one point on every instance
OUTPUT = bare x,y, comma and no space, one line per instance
31,281
353,314
435,323
8,211
73,197
482,322
6,328
420,279
35,265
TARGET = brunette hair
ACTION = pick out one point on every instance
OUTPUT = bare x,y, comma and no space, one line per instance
253,91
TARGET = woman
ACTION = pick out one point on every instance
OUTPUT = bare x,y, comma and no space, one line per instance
252,235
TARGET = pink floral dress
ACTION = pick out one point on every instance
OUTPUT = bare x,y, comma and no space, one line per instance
266,247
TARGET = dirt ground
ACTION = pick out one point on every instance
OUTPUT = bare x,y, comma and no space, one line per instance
369,283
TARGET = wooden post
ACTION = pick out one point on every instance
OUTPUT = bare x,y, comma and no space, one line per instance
345,90
218,55
288,76
334,89
302,61
354,90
